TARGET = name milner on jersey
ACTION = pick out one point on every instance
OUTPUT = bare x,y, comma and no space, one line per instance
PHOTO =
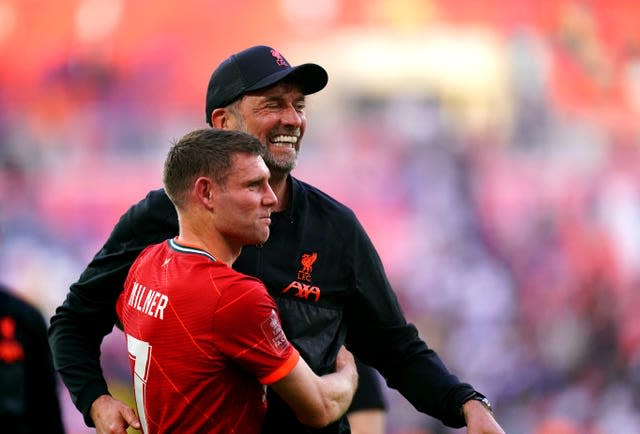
154,301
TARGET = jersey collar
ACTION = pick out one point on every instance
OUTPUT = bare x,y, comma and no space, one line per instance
186,249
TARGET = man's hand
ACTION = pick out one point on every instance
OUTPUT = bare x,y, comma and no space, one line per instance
479,419
346,362
346,365
111,416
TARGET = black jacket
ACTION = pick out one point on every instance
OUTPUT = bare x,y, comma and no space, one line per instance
328,282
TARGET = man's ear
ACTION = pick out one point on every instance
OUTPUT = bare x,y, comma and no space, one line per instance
220,118
205,191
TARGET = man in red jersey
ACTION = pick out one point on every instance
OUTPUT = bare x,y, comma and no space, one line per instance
203,339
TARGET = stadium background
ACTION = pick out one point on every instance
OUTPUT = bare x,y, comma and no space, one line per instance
489,147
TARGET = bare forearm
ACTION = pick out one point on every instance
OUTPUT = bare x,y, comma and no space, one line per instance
318,401
337,390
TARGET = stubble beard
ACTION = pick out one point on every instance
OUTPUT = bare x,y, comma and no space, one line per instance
278,166
283,165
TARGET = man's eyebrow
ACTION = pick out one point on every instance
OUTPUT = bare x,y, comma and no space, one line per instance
258,179
279,96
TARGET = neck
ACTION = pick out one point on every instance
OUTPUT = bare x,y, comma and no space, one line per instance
192,234
280,187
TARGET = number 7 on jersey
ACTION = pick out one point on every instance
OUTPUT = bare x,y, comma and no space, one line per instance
140,352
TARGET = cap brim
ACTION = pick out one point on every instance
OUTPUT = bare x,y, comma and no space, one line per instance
310,77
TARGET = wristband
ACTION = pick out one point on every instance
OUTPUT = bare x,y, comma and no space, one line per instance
477,396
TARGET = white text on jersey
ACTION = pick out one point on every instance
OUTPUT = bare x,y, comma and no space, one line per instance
154,302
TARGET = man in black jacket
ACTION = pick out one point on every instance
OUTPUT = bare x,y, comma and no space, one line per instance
318,264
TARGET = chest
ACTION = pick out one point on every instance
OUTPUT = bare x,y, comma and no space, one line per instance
302,261
307,270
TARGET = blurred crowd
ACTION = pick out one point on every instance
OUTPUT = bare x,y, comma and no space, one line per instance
513,244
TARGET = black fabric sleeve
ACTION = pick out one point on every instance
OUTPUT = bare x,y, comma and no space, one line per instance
88,312
380,336
369,394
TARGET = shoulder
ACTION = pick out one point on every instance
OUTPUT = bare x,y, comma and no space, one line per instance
156,202
239,288
322,212
152,252
150,220
242,282
18,308
318,201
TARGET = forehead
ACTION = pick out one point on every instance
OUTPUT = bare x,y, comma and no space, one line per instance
246,166
280,89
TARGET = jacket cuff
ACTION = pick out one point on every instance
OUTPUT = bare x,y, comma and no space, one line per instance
90,393
454,416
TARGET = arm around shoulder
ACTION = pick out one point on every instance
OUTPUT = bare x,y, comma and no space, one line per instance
88,312
318,401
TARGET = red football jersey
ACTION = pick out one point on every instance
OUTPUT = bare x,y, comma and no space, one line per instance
202,339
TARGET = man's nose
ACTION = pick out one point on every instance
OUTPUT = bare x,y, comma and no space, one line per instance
270,199
291,116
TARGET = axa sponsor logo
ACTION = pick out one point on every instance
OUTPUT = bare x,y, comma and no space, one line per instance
298,289
302,290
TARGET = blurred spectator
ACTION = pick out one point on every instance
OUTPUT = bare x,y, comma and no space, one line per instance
28,388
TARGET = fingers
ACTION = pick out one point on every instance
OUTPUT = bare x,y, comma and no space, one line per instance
116,427
113,425
130,417
111,416
344,357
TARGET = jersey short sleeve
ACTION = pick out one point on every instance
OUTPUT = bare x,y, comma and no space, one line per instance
248,331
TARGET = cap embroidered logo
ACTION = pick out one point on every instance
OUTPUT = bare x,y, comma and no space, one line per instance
281,61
